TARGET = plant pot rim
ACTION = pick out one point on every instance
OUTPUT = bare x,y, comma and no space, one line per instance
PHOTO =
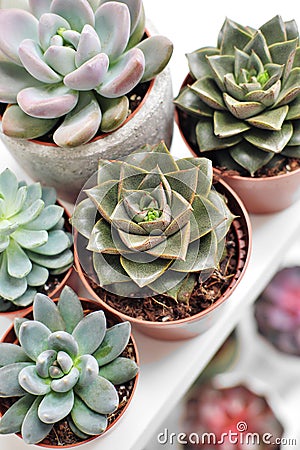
199,315
26,309
217,171
118,319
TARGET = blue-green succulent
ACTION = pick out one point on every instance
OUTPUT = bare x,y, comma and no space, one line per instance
66,365
33,241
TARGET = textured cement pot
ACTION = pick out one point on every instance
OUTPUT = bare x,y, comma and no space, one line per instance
88,306
199,323
260,195
11,315
68,169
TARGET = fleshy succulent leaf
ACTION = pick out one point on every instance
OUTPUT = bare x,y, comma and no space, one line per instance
33,429
33,337
11,353
70,308
95,322
11,421
9,381
119,371
157,51
46,312
55,406
32,383
100,396
114,342
86,420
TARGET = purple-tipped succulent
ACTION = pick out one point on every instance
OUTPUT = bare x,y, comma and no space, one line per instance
67,65
277,311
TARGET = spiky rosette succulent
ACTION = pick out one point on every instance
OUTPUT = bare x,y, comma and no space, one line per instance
277,311
33,241
67,365
245,96
153,224
69,65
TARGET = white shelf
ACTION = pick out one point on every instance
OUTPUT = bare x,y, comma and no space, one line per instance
169,368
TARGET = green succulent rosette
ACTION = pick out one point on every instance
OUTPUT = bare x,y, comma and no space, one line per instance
245,96
34,243
66,366
152,224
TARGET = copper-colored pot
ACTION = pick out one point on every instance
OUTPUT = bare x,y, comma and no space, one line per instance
197,324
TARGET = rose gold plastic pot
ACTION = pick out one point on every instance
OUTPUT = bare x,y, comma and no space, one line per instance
259,195
197,324
88,305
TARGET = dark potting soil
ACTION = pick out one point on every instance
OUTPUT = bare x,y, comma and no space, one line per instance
61,434
281,167
135,98
164,309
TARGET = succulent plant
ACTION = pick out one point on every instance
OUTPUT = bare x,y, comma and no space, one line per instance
33,241
67,365
229,418
153,224
277,311
69,65
245,96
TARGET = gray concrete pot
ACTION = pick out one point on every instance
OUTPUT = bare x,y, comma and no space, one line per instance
67,169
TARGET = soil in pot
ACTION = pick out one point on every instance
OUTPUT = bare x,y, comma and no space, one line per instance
61,434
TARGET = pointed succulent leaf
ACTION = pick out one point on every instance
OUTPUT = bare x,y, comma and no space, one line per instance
16,123
112,23
18,263
15,26
31,57
226,125
250,157
44,362
77,15
55,406
124,75
205,218
157,51
233,88
100,396
33,429
270,141
109,268
88,46
281,51
86,420
67,382
48,26
266,97
242,110
233,36
259,45
11,353
208,141
9,381
187,100
32,383
274,30
143,273
33,337
83,218
81,124
220,66
46,312
70,308
61,59
270,120
295,139
61,340
292,152
11,421
105,197
47,102
88,369
88,342
291,89
294,110
115,341
198,63
209,93
119,371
